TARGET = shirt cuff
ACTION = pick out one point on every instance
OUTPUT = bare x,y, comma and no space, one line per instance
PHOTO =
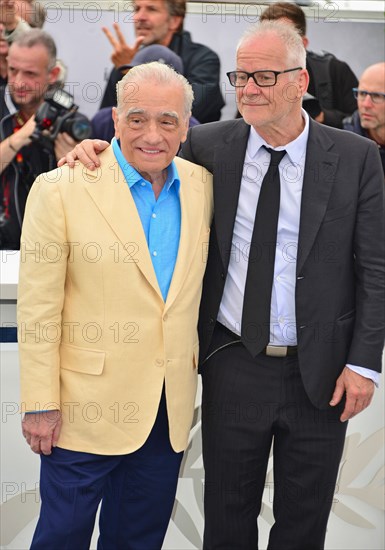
367,373
36,412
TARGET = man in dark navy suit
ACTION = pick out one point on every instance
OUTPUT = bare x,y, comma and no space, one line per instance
294,385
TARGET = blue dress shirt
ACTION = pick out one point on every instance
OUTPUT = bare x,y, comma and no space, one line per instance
161,218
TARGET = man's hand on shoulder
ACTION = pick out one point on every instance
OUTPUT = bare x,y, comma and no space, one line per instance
86,152
41,430
359,393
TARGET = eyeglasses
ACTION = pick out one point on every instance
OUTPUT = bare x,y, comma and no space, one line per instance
239,79
361,95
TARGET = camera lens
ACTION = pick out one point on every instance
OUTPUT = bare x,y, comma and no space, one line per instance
80,127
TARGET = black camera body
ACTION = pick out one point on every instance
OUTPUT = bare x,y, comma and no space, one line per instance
57,114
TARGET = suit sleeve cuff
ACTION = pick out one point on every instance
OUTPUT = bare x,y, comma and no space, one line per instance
367,373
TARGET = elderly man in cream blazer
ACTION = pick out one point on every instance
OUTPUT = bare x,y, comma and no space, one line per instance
110,281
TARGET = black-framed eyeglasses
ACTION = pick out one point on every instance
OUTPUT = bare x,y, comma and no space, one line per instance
361,95
239,79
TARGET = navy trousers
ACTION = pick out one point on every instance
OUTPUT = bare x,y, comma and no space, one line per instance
137,491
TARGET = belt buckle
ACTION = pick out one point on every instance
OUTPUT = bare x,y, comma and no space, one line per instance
276,351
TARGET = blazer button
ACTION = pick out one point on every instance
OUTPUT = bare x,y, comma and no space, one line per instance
165,317
159,362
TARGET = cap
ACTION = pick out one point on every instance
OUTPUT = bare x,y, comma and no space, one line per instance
155,52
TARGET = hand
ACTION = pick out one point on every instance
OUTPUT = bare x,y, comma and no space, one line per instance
41,430
23,136
359,393
86,152
64,143
123,53
320,118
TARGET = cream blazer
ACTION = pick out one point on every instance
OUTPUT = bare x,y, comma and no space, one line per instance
96,338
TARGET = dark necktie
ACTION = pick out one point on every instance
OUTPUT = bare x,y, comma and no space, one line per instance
255,330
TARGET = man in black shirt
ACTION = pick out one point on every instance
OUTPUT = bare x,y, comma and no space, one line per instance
161,22
32,70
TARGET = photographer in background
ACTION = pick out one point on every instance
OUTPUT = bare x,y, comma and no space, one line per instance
25,150
369,119
329,99
161,22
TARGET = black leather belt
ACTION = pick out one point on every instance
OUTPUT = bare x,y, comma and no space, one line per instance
270,351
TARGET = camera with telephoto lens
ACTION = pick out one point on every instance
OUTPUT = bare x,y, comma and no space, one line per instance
57,114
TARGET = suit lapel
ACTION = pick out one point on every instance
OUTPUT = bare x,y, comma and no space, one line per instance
229,156
111,194
319,178
192,211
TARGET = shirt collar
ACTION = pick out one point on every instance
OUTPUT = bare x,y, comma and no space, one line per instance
295,149
132,176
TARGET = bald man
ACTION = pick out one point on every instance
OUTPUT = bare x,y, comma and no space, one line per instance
369,119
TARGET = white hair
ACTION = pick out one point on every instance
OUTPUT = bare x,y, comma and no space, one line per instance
160,73
296,53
